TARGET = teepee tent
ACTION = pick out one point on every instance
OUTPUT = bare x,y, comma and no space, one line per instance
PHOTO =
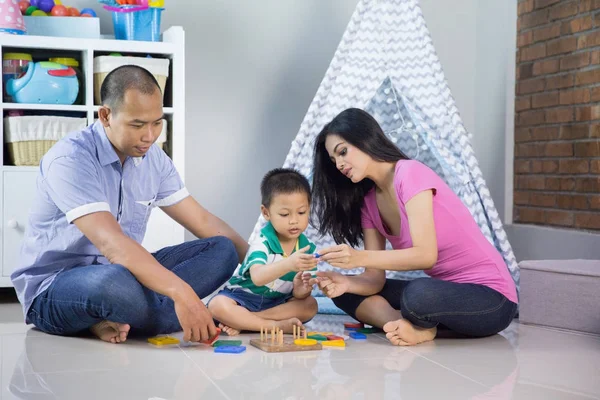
386,64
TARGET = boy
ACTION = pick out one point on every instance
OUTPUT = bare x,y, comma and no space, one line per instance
267,289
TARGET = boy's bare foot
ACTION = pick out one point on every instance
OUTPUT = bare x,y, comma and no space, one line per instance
287,325
229,331
111,331
403,333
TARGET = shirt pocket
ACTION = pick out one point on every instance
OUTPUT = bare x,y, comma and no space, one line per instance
141,214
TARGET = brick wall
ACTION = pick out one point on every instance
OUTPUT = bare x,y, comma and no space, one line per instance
557,119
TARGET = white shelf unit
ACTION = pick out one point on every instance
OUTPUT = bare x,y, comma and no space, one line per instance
18,183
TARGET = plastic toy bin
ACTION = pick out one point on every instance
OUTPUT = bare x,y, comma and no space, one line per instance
136,23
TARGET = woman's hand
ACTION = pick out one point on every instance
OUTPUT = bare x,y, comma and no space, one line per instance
341,256
333,284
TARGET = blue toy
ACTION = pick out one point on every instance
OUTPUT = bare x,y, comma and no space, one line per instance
230,349
358,335
45,83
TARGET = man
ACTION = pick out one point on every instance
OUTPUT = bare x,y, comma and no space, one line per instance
82,265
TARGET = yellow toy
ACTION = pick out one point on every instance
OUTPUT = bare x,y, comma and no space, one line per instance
163,340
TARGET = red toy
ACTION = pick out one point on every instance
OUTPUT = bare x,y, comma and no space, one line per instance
73,12
59,11
23,6
214,339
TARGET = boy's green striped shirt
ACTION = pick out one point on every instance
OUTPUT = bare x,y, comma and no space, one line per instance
266,249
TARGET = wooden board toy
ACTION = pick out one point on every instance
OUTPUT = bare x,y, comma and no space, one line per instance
163,340
273,341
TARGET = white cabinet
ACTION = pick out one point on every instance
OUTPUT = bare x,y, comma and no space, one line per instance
18,183
18,191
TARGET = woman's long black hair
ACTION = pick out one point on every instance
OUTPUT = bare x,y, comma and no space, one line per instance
337,201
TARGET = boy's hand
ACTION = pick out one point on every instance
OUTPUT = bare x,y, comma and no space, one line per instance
299,261
301,286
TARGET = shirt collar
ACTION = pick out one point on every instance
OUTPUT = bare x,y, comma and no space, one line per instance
268,231
106,152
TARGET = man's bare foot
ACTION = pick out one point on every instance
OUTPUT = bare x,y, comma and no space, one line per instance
111,331
287,325
229,331
403,333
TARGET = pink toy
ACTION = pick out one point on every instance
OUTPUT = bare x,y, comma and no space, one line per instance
11,20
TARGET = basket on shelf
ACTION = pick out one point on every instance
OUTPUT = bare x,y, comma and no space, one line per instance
28,138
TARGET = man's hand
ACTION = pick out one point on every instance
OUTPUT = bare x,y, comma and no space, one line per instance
195,319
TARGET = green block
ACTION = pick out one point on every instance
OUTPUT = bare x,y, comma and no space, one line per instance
369,330
220,343
320,338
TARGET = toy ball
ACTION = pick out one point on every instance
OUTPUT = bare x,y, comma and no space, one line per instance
59,11
45,5
58,2
34,3
39,13
30,10
24,5
89,11
73,12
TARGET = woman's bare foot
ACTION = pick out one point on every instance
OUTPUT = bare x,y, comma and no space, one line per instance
287,325
403,333
229,331
111,331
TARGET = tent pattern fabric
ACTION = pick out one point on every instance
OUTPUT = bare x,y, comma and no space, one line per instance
386,64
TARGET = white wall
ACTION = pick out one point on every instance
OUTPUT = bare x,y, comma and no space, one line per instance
475,41
252,72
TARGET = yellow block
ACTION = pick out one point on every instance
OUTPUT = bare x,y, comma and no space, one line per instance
163,340
334,343
305,342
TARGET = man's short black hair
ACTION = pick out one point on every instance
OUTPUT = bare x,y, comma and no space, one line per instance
124,78
283,181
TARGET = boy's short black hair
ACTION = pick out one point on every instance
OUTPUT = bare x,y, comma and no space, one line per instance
283,181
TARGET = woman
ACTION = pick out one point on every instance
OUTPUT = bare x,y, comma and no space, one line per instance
366,190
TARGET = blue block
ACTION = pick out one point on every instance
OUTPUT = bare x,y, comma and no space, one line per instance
357,335
230,349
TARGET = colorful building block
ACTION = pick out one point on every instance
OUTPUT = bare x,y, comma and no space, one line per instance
230,349
352,325
334,343
358,335
213,339
219,343
163,340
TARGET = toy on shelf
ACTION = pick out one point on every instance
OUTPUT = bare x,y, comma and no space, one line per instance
135,19
54,8
45,83
11,20
14,65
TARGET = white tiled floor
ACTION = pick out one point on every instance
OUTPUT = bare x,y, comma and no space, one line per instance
523,362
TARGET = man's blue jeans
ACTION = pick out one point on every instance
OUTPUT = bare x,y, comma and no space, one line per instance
83,296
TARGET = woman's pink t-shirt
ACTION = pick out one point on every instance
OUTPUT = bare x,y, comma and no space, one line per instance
464,254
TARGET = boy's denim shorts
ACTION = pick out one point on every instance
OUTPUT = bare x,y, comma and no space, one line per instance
253,302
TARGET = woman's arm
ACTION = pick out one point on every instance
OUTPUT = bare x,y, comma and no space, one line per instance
372,280
421,256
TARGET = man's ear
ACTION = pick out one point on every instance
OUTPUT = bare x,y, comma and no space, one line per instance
104,116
